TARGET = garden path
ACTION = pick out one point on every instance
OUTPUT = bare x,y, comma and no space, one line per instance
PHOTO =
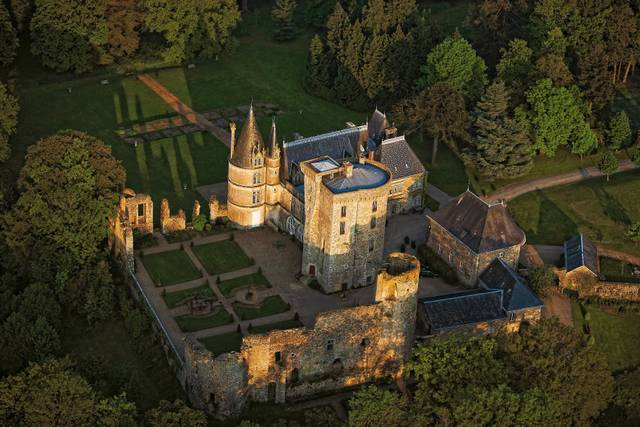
514,190
181,108
560,306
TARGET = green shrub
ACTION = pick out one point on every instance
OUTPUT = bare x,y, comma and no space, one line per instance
199,222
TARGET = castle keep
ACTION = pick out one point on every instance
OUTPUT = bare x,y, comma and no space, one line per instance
332,192
345,347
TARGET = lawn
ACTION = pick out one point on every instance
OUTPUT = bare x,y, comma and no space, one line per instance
189,323
116,363
616,335
222,257
255,281
270,306
618,271
170,268
601,210
285,324
223,343
173,299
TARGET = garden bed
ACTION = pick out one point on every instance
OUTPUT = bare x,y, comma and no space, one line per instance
270,306
188,323
222,257
253,281
170,268
173,299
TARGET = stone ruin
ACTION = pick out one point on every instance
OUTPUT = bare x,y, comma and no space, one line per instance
216,209
196,211
134,213
171,223
346,347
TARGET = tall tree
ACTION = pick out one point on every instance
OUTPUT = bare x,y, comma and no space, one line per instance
22,11
282,15
438,110
608,163
500,146
69,35
551,63
8,37
373,406
177,413
8,120
619,131
456,63
558,118
124,19
516,69
192,29
70,184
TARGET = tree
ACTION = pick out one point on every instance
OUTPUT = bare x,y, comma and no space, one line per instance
455,62
192,29
551,64
8,120
557,361
619,132
175,414
320,69
541,279
372,406
69,35
21,11
46,394
608,163
70,184
116,411
123,19
634,151
99,298
633,232
282,16
8,37
515,68
316,12
501,146
438,110
557,116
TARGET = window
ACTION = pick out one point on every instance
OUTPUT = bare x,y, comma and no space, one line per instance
373,222
278,357
342,228
364,342
374,206
141,209
330,345
372,245
343,211
256,178
512,316
256,197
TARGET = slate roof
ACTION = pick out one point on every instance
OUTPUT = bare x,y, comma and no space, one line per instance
376,126
516,295
250,141
397,155
480,226
580,251
364,176
338,145
462,308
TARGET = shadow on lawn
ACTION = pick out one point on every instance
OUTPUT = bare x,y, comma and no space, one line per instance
554,226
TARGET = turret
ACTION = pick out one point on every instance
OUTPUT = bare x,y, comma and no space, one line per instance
272,163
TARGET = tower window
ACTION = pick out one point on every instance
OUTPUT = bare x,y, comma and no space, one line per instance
278,357
256,197
343,211
342,227
372,244
330,345
141,209
256,178
373,222
374,206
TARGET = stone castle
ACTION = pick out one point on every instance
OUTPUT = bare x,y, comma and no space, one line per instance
332,191
344,348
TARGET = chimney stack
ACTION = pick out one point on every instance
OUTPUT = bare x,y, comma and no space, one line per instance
348,169
232,126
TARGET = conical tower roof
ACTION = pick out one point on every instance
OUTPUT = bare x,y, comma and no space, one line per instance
250,142
273,139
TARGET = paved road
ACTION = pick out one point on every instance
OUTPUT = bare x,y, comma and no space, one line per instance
181,108
512,191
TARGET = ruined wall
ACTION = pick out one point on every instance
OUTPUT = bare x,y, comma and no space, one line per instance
171,223
134,212
216,209
345,347
139,210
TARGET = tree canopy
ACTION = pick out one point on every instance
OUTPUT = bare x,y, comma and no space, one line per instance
8,120
282,15
8,37
619,132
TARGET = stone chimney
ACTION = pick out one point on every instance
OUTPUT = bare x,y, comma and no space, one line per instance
232,126
348,169
390,132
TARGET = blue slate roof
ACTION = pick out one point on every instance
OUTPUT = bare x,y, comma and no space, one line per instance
446,311
516,294
364,176
580,251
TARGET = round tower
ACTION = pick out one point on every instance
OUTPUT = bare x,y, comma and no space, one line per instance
247,176
272,163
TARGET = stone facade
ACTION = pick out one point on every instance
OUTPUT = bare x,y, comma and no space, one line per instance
217,209
345,347
583,281
134,213
196,210
171,223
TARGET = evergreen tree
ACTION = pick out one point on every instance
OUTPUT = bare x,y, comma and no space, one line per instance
501,147
8,120
175,413
633,234
320,69
8,37
608,163
619,131
515,68
282,16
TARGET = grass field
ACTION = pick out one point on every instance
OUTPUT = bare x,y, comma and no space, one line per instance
192,323
223,343
448,174
255,281
285,324
170,268
599,209
616,335
173,299
222,257
270,306
121,363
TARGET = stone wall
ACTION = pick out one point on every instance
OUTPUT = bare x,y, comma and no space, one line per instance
139,210
171,223
216,209
588,285
406,194
346,347
134,212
